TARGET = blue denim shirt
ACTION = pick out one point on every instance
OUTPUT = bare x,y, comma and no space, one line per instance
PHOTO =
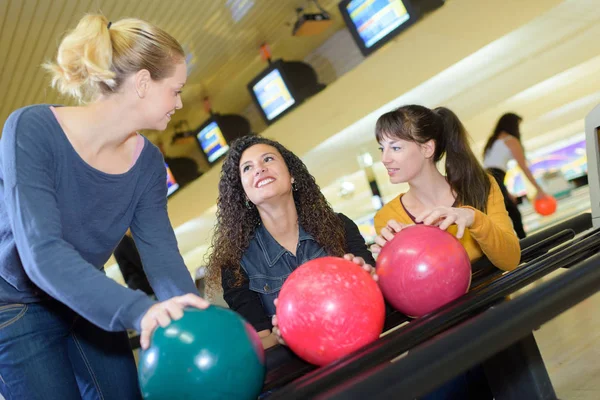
268,264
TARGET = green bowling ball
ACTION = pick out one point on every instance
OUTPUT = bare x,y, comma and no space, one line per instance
207,354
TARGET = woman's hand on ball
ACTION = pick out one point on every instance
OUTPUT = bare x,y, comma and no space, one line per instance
166,311
276,330
387,234
349,257
541,195
361,262
443,217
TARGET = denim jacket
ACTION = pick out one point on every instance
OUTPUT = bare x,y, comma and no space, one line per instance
268,264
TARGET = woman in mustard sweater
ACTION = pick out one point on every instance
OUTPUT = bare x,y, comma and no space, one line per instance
466,202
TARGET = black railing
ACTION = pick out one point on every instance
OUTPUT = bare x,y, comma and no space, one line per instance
473,342
488,281
284,367
417,332
578,224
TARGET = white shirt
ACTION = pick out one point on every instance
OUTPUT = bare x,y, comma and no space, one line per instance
498,156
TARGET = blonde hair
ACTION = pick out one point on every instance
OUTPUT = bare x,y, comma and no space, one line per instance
95,59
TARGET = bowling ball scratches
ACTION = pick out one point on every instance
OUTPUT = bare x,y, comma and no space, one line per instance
332,318
423,268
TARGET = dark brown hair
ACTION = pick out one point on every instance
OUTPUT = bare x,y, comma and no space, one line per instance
509,124
414,123
237,222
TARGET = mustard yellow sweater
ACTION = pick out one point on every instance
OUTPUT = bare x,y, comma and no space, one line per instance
491,234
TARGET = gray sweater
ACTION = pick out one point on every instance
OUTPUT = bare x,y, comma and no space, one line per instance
61,219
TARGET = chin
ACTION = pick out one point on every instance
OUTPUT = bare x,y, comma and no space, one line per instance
161,126
397,180
269,197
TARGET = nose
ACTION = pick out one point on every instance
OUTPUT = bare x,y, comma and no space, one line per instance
385,156
179,104
261,168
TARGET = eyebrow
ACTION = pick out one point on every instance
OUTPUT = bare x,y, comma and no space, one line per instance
392,142
265,154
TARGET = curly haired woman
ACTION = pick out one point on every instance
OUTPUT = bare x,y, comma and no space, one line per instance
272,218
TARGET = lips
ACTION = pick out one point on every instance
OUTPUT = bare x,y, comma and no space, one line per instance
264,181
392,171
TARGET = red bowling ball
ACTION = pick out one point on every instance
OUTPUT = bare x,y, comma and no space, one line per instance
422,268
328,308
545,206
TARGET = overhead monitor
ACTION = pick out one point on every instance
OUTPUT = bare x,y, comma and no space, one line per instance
282,86
212,141
373,23
172,184
273,94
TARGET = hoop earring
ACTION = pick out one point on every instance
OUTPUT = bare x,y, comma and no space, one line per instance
294,187
248,204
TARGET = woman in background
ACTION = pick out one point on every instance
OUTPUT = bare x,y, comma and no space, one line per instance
502,146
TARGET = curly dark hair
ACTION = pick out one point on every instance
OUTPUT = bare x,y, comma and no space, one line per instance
236,222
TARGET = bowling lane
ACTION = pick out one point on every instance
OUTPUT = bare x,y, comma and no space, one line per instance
570,344
577,203
570,347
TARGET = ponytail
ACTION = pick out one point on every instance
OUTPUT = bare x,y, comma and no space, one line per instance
84,59
466,176
98,55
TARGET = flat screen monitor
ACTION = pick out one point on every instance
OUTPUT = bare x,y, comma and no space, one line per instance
373,23
212,141
172,184
273,94
282,86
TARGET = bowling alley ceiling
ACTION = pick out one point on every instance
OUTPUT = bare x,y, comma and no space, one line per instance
221,37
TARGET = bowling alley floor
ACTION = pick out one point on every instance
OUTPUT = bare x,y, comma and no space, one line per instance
570,347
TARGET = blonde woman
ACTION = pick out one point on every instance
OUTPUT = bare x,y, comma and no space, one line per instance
73,180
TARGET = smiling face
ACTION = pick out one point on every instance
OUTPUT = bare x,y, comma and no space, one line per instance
264,174
404,160
159,99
